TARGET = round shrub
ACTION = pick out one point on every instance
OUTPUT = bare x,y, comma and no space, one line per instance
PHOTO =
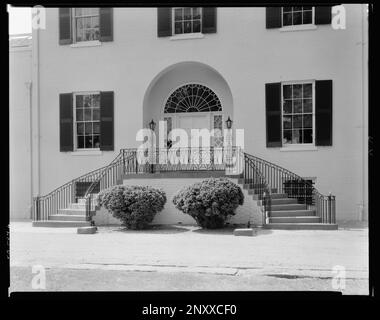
134,206
210,202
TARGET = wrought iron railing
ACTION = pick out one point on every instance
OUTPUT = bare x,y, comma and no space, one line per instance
273,177
256,181
259,174
189,159
85,186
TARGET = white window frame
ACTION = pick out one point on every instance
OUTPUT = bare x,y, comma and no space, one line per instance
296,146
304,26
75,144
186,35
74,30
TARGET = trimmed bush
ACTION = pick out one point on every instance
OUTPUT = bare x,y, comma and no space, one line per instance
210,202
134,206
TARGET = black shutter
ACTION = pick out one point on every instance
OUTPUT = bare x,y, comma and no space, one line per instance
209,20
164,22
273,17
106,24
273,114
323,15
66,121
323,113
65,36
106,121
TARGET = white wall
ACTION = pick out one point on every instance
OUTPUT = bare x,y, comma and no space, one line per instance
249,211
19,132
246,55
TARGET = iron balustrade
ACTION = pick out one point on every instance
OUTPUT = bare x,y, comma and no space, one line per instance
282,180
261,175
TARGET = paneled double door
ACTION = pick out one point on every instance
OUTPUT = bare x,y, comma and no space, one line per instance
195,149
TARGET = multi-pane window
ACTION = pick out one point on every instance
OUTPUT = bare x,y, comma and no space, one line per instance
86,24
297,113
187,20
292,16
87,120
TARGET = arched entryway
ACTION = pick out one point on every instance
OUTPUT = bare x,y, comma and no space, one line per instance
195,106
189,95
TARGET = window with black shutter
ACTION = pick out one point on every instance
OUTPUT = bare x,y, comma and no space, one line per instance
277,17
85,24
87,121
299,113
185,20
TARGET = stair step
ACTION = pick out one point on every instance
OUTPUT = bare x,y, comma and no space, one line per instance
297,206
284,201
61,224
67,217
292,213
273,196
256,191
296,219
75,212
77,206
301,226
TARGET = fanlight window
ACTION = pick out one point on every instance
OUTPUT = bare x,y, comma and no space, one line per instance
193,98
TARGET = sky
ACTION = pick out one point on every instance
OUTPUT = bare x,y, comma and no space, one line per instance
20,20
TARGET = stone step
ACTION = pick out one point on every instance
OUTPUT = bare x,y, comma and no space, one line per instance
67,217
293,213
283,201
273,196
75,212
301,226
77,206
61,224
256,191
297,219
279,207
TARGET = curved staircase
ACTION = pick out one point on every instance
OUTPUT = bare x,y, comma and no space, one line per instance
286,200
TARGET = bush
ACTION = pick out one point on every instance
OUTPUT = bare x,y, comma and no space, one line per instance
210,202
135,206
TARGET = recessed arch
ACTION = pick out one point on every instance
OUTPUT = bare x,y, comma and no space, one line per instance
180,74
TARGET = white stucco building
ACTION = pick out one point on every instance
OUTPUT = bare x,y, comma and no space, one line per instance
297,86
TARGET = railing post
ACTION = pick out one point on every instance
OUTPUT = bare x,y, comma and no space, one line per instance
330,207
37,208
265,208
123,161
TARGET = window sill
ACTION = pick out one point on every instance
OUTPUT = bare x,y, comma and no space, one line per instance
82,44
299,148
87,153
187,36
299,28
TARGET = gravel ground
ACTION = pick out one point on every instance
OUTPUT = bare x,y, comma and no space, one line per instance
187,258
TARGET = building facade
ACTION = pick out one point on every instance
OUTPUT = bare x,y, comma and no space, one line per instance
20,98
296,85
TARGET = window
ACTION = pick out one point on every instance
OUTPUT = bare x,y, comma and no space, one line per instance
86,24
298,113
193,98
187,20
292,16
87,120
